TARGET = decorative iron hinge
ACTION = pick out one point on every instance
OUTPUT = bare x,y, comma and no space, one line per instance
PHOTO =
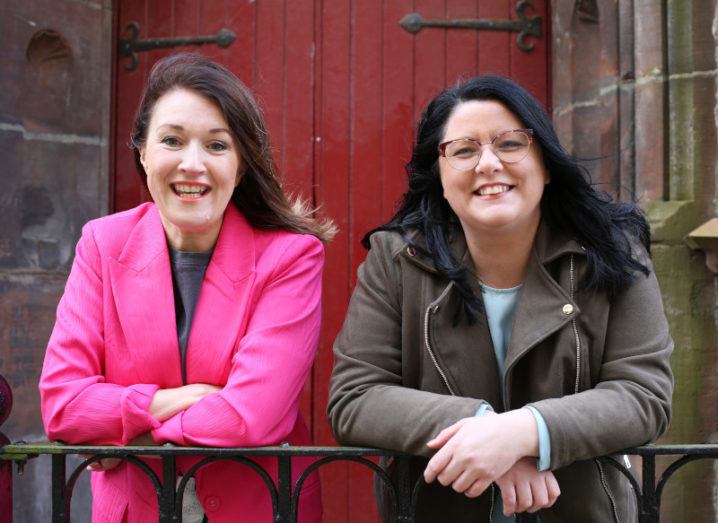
525,25
129,47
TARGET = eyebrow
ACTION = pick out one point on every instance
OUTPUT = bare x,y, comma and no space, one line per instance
180,128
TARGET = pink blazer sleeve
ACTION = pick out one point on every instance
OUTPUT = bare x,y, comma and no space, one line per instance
78,406
260,402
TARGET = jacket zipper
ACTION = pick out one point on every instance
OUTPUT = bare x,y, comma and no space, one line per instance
427,317
575,332
607,489
604,483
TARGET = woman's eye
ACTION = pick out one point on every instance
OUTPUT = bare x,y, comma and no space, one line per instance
172,141
464,152
218,146
509,144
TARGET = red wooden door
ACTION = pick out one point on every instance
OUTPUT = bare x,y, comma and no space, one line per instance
342,85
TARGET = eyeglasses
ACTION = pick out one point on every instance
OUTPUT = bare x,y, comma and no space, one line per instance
509,147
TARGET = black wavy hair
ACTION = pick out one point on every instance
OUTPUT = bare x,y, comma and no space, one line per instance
570,204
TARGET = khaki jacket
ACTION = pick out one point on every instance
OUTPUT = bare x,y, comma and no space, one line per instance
597,369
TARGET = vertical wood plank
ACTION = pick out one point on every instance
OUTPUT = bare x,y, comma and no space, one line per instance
397,127
461,45
270,53
298,127
494,52
429,56
332,149
365,70
297,111
240,55
211,18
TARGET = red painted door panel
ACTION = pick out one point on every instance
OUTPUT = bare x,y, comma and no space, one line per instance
342,85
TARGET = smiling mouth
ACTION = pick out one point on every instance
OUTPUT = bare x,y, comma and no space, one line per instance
189,191
491,190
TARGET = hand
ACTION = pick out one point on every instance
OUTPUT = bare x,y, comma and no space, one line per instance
476,451
102,465
525,489
168,402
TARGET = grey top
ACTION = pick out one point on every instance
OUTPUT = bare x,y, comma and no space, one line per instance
188,270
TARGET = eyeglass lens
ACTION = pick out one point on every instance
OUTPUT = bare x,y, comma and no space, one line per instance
510,147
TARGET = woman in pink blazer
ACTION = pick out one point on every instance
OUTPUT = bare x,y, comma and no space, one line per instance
193,320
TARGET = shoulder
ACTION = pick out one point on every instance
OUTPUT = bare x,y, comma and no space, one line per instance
115,227
391,244
277,249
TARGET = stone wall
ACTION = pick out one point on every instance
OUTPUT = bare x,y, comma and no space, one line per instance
55,76
635,85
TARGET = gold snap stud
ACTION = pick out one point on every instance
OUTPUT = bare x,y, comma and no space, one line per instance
411,251
567,309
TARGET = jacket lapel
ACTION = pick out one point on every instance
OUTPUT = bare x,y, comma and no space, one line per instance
141,283
544,306
223,305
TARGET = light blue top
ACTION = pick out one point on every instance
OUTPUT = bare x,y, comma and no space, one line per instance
500,306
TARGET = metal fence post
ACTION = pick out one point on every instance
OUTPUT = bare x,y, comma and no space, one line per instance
404,491
650,511
167,497
284,488
60,503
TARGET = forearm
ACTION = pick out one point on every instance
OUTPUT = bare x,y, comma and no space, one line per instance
99,413
395,417
168,402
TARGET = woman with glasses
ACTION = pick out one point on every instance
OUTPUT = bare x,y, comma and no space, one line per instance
507,327
192,320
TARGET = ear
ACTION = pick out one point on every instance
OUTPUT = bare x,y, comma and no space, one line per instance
142,150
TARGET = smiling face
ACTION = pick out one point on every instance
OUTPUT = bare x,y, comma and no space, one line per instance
494,197
193,165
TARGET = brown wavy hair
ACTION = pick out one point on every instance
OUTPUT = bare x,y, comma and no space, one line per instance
260,195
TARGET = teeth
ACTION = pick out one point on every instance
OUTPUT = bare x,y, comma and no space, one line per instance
182,188
493,189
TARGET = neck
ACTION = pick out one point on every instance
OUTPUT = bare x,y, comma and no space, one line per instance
203,241
501,260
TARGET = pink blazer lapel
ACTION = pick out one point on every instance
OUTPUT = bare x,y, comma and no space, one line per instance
141,282
224,302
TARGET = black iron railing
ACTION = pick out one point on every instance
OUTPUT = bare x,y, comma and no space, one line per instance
285,493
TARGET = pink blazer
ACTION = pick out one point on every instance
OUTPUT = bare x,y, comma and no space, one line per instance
255,334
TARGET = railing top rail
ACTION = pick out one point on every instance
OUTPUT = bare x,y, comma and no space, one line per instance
16,450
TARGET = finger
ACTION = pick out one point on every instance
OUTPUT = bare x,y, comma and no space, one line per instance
524,498
95,466
446,434
462,483
539,495
554,491
450,473
508,497
437,464
478,488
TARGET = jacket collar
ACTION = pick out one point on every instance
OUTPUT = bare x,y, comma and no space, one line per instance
234,258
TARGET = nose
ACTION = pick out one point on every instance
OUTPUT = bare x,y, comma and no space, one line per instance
488,161
192,159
